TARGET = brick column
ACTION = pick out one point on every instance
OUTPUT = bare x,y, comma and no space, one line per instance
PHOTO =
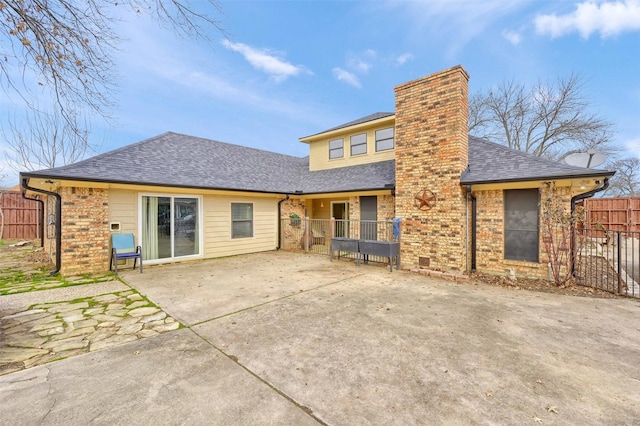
431,153
85,230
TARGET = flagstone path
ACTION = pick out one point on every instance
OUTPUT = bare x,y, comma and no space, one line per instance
44,319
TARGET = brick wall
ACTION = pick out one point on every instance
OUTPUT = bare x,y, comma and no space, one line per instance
490,231
85,230
490,237
292,233
386,207
354,208
431,153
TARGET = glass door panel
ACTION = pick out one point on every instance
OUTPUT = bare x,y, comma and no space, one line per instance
170,227
185,237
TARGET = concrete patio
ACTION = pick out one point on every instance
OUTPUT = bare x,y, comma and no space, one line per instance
282,338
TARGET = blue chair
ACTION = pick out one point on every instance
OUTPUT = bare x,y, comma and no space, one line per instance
123,247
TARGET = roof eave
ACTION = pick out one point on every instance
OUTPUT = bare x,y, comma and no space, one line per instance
333,132
163,185
605,173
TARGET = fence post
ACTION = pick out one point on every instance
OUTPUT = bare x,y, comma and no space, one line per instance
619,249
306,233
332,227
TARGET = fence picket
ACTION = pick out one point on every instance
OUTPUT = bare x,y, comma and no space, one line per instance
21,216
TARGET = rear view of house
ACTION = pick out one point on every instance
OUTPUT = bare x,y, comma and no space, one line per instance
465,203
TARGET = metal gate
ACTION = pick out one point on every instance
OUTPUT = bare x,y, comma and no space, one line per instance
608,260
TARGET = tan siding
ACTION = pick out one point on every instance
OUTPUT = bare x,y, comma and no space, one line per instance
123,208
319,151
217,226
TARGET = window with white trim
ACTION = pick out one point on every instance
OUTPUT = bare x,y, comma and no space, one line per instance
384,139
359,144
336,148
241,220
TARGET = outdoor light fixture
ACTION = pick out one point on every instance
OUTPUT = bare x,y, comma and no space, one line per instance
583,184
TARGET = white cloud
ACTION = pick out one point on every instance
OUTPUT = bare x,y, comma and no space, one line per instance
404,58
267,61
609,19
361,62
347,77
512,37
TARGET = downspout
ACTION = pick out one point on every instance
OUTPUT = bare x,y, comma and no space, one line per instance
58,220
41,224
574,200
474,227
280,220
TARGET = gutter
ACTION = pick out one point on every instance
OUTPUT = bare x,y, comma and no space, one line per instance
58,219
599,174
574,200
280,220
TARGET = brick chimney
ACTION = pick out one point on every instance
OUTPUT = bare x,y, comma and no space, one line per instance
432,146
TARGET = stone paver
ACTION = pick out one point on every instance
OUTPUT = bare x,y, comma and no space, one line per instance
47,332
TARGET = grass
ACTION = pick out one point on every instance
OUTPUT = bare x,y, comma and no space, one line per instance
14,281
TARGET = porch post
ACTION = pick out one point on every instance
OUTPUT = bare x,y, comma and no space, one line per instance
307,234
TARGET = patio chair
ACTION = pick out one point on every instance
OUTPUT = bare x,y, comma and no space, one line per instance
123,247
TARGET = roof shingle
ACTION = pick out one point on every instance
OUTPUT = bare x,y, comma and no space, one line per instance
177,160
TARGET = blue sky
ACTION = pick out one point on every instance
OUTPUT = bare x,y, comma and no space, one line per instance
289,69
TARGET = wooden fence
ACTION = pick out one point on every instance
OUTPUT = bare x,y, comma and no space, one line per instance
20,218
615,214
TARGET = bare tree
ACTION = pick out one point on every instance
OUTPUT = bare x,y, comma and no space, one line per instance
549,119
45,141
626,182
3,176
66,46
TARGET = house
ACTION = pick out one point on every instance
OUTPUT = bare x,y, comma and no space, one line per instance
465,203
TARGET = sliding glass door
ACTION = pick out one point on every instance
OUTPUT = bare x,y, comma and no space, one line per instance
170,226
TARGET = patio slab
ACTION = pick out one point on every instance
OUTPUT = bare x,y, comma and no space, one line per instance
193,292
399,349
174,378
338,344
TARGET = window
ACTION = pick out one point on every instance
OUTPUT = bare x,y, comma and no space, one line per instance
384,139
359,144
170,226
336,148
241,220
521,235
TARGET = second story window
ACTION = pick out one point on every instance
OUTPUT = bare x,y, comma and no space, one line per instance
384,139
336,148
359,144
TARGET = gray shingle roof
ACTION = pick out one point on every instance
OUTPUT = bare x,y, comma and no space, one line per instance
176,160
491,163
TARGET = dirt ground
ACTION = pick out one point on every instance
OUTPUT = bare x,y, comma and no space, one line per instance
568,289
